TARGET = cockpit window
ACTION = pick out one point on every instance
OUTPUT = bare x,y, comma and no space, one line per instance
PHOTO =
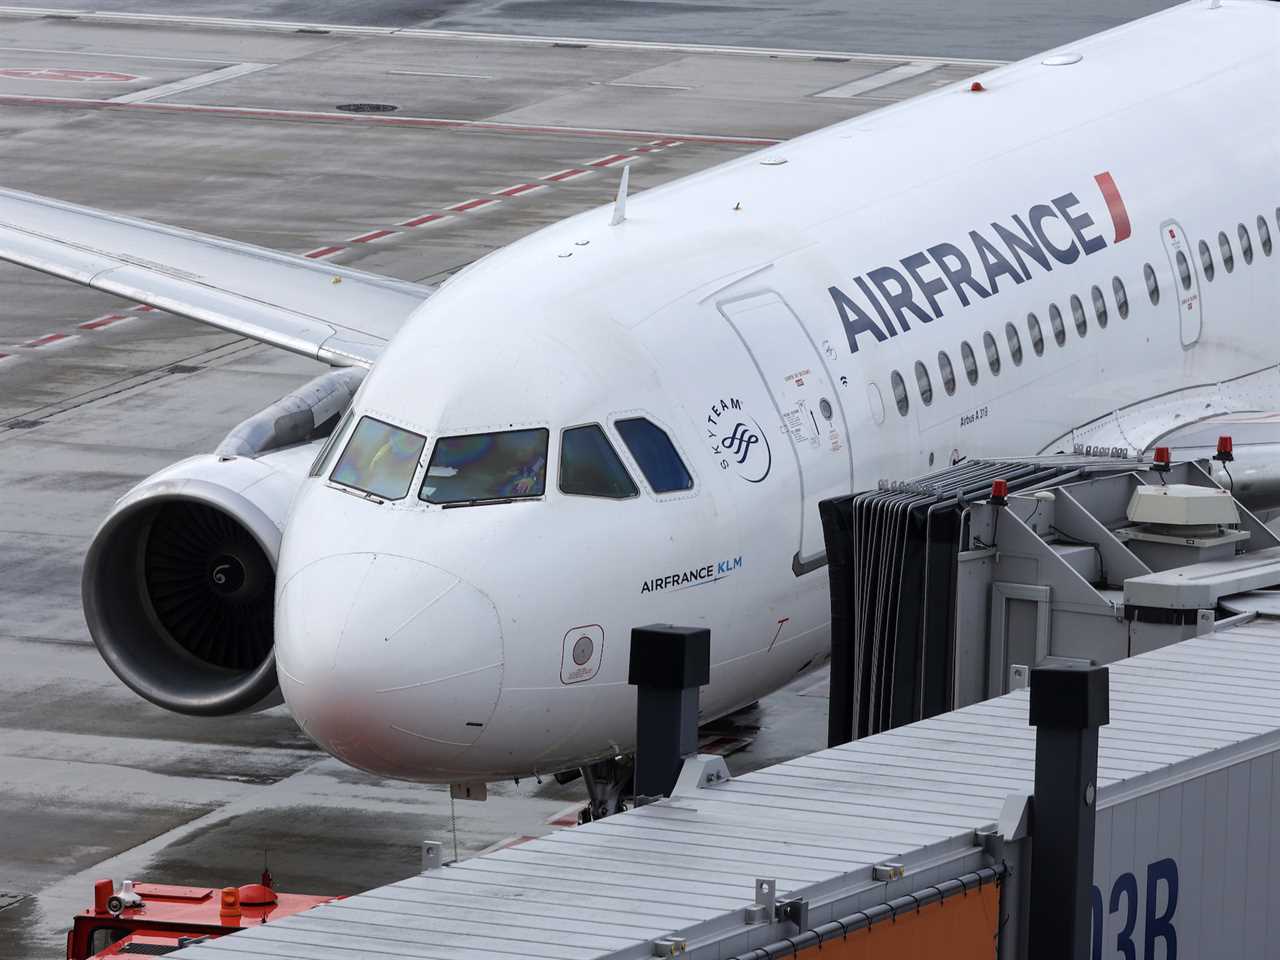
379,459
655,454
326,450
589,466
484,467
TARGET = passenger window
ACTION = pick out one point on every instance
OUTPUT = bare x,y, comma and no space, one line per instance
1228,259
1077,314
1264,236
1184,270
656,455
321,462
1099,307
969,361
1206,261
1055,321
1037,335
923,383
1015,343
1246,243
1153,285
948,372
590,467
993,352
379,459
899,392
1122,297
487,467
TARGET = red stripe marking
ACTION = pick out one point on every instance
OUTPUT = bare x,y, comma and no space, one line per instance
518,189
1115,205
566,174
609,160
372,235
471,204
321,252
47,339
568,817
144,308
5,356
665,142
101,322
419,221
261,113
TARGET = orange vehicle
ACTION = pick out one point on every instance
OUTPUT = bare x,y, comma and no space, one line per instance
157,918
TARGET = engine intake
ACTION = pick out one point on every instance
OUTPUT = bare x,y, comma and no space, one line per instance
179,585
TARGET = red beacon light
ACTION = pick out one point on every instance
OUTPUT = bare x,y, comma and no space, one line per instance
1161,461
976,87
1224,454
1000,492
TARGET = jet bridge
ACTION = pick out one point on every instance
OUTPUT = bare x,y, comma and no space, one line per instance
947,590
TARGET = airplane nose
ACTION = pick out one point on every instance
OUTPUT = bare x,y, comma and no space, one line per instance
390,664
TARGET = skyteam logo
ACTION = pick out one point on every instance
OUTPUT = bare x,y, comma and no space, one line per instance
739,441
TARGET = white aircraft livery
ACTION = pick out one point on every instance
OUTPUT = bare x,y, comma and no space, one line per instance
435,554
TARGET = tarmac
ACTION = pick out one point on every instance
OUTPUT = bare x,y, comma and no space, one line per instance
233,129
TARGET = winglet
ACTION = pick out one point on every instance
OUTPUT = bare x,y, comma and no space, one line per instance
620,202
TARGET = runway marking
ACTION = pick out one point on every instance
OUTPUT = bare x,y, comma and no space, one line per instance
609,160
144,308
47,339
425,73
192,83
372,235
376,119
506,843
471,204
568,817
66,75
564,175
420,221
875,81
321,252
100,322
117,56
519,188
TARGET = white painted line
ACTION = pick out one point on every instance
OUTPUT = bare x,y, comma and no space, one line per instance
884,78
424,73
639,86
192,83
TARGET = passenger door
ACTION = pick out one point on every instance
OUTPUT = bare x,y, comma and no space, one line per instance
796,376
1186,281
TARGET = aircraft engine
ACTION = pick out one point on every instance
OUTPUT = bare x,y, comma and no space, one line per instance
179,585
179,581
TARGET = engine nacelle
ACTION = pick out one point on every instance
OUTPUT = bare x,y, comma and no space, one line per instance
179,582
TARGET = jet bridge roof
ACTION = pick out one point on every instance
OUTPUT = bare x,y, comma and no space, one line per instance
819,824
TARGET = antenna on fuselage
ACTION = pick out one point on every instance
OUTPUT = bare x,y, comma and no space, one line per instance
620,202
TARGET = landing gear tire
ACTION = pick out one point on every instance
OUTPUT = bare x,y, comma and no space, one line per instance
609,784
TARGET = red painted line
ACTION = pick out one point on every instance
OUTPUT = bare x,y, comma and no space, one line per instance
1115,205
101,322
518,189
47,339
507,843
568,817
471,204
665,142
609,160
646,149
419,221
322,252
566,174
315,116
5,356
144,308
372,235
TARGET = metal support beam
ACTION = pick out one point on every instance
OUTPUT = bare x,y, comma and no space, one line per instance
668,665
1068,705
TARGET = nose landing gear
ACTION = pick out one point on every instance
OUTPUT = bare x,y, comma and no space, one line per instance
609,787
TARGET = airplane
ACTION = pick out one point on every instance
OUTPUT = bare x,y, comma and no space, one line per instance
435,553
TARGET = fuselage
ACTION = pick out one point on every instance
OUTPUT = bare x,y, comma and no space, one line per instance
760,315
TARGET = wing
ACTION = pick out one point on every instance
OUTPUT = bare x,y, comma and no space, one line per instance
340,316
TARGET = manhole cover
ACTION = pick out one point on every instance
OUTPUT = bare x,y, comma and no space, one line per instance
10,900
367,107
